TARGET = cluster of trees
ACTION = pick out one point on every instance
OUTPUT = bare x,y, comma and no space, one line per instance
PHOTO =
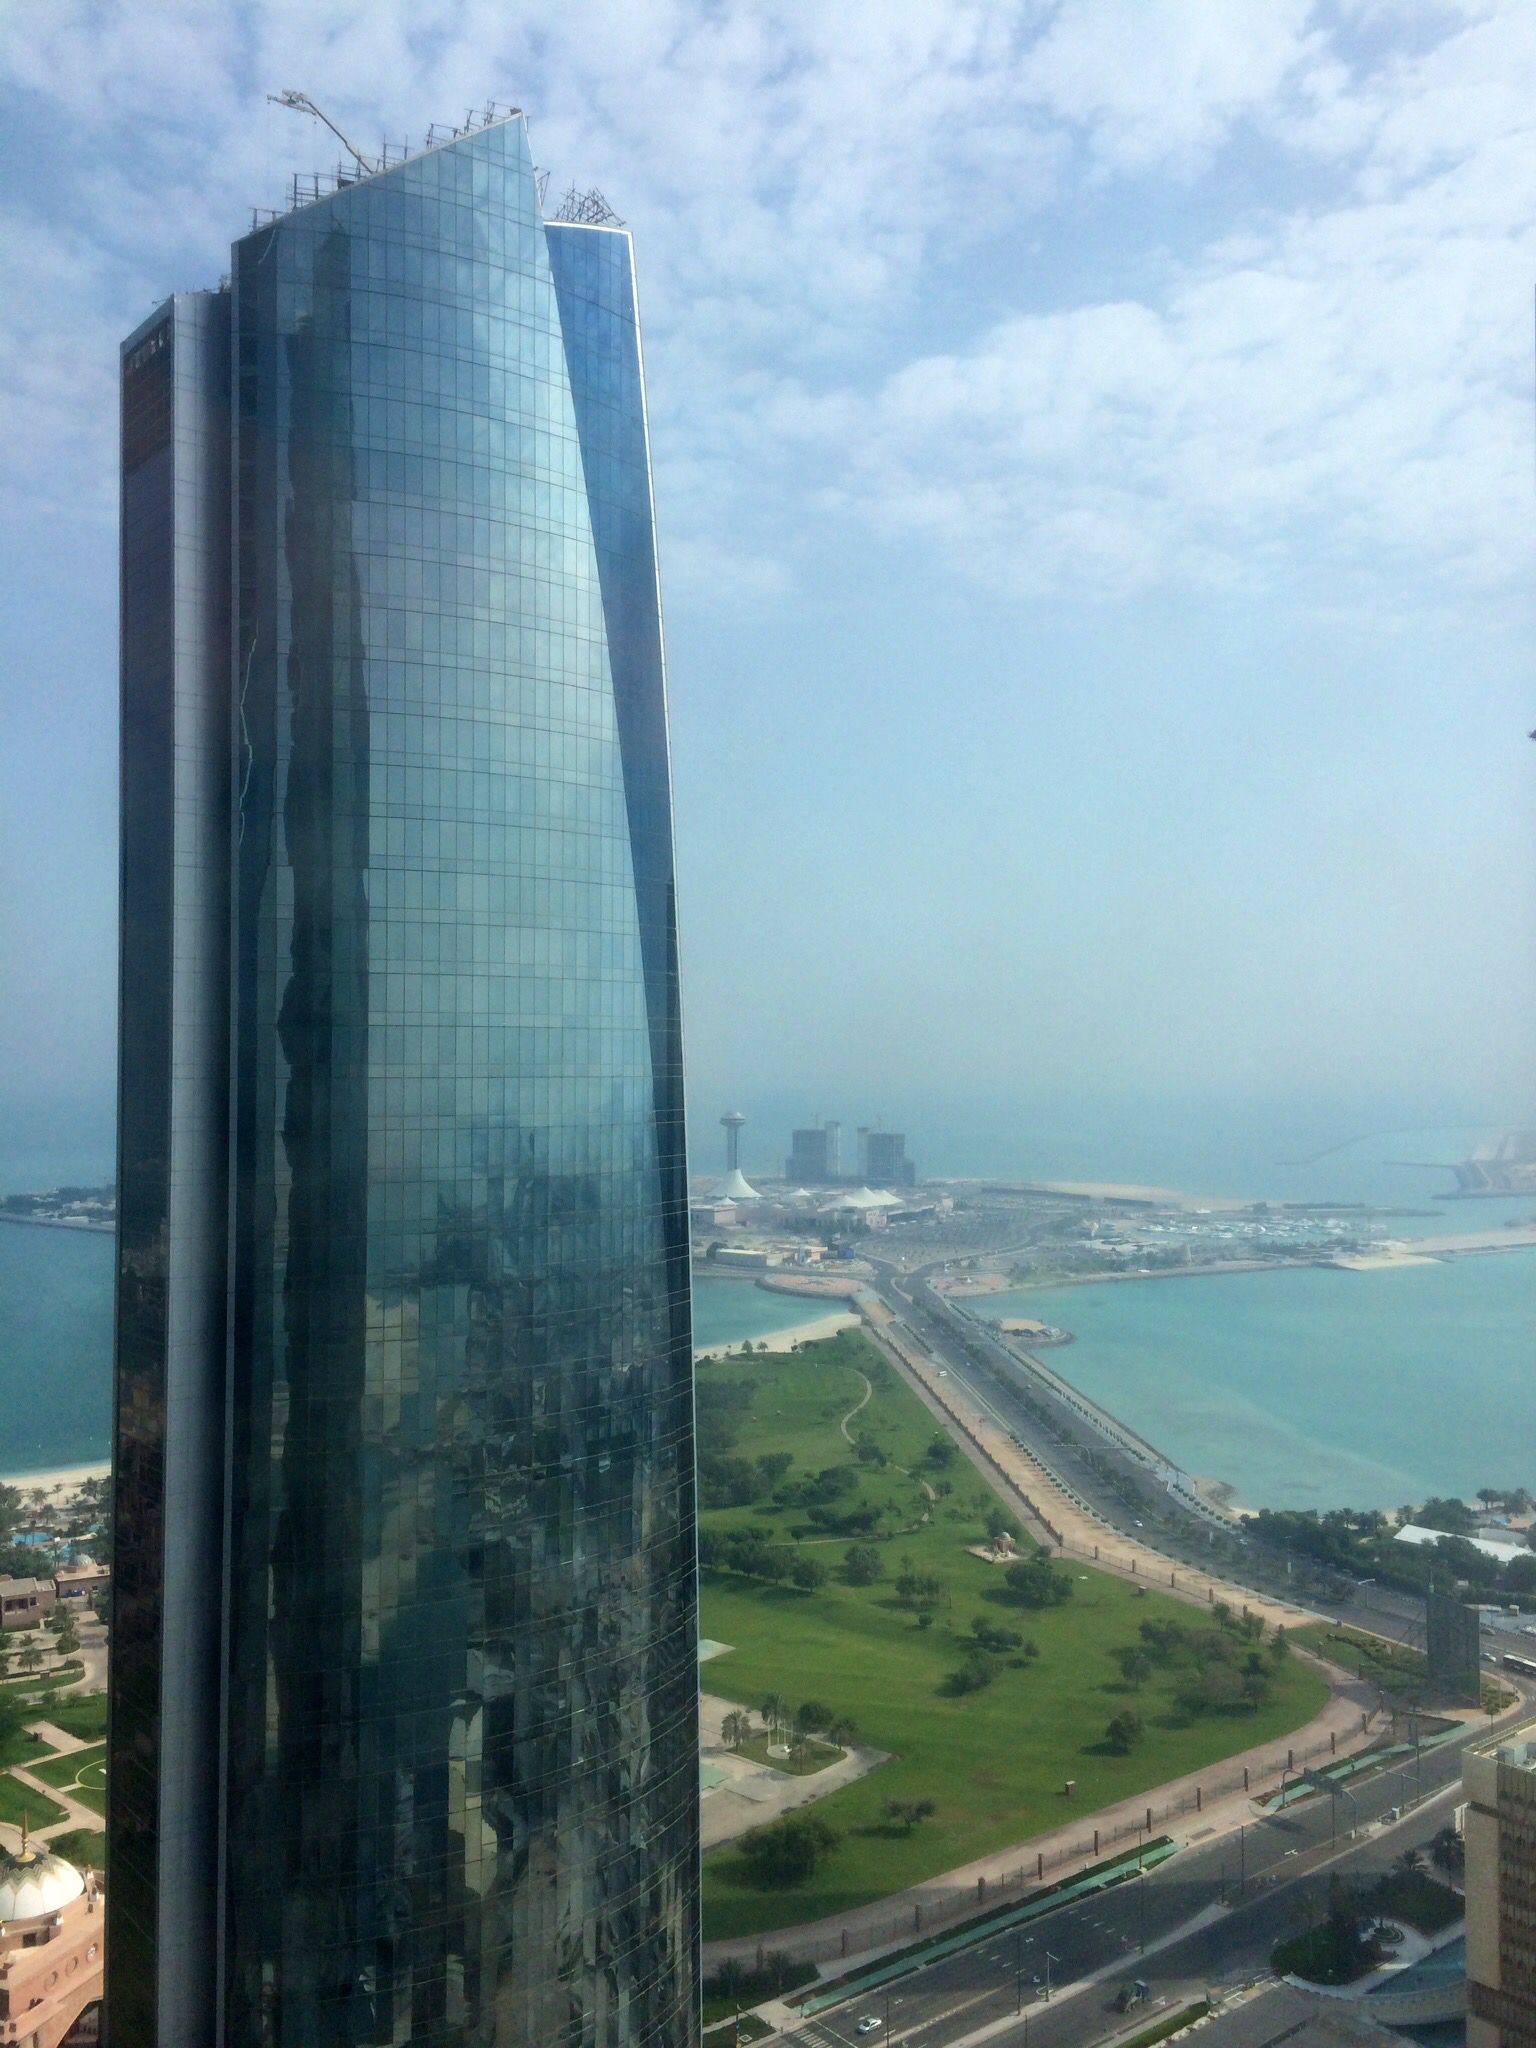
757,1555
789,1851
749,1984
1342,1947
810,1718
1035,1581
1361,1543
1220,1670
920,1589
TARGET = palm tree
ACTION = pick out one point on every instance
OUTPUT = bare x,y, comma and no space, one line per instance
735,1729
1411,1859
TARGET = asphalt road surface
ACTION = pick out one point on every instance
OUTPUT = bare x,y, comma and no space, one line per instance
1255,1888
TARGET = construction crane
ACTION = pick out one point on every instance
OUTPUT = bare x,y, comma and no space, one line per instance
301,103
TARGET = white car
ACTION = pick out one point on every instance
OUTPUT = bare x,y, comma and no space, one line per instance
869,2024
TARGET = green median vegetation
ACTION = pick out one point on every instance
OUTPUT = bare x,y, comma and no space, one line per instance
988,1684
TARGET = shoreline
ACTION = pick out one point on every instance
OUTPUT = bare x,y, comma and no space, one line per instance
783,1340
70,1477
79,1227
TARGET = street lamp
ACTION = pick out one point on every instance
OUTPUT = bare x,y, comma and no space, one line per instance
1049,1959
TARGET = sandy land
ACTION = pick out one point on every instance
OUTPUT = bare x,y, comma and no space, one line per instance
1377,1262
70,1477
782,1340
1129,1191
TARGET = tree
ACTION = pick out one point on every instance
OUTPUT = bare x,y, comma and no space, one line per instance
808,1574
1135,1664
68,1641
1124,1732
940,1452
775,1711
978,1670
906,1813
1035,1581
843,1731
30,1657
787,1852
735,1729
809,1716
1449,1852
999,1525
862,1564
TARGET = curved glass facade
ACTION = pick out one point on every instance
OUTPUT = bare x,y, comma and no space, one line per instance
459,1752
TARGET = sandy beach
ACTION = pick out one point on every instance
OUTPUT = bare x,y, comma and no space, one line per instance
70,1477
783,1340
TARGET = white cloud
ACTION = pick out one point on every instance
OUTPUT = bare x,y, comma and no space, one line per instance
1341,382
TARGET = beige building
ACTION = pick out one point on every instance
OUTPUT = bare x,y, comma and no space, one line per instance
24,1602
1500,1784
78,1584
51,1942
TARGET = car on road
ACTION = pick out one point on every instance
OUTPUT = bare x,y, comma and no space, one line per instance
1130,1994
869,2024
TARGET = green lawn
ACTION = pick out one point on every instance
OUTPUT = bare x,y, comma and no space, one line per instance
87,1851
993,1761
803,1761
1392,1666
20,1803
78,1713
82,1773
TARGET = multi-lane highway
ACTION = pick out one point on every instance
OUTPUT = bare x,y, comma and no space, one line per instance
1234,1897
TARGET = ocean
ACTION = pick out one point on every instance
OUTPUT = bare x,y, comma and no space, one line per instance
55,1347
56,1340
1307,1387
1303,1387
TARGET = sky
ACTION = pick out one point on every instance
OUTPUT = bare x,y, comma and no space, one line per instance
1094,463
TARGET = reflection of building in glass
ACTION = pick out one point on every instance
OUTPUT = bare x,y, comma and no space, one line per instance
404,1679
1500,1828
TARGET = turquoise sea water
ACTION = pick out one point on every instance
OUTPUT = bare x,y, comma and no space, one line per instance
56,1340
1308,1387
730,1311
55,1347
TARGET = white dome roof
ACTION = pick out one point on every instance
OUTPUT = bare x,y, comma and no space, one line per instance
35,1882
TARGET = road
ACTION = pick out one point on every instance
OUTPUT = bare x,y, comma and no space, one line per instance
1089,1465
1254,1888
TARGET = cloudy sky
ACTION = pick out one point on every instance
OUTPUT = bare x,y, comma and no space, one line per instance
1094,457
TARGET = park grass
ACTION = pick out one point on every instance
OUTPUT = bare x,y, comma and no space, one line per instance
20,1803
994,1761
803,1761
80,1846
82,1714
82,1773
1392,1666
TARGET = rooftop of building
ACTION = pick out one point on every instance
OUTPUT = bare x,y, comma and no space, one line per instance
34,1882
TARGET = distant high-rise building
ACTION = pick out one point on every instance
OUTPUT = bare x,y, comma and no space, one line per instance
883,1160
814,1155
1500,1829
404,1665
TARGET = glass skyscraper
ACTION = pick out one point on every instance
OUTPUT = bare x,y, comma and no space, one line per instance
404,1668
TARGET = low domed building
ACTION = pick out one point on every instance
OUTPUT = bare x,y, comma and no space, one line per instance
51,1949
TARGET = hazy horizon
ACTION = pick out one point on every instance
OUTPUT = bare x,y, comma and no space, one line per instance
1094,465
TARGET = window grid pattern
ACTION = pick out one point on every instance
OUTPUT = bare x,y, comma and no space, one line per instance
463,1685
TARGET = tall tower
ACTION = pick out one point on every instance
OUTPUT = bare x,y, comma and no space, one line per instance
404,1676
733,1121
